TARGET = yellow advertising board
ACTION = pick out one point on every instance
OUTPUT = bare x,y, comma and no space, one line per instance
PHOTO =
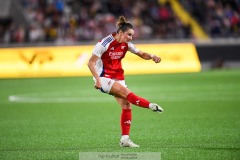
174,58
44,61
72,60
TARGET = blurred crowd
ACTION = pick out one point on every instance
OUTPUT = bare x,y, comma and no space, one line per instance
219,18
67,21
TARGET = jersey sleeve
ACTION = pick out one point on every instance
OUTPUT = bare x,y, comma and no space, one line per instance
99,49
132,48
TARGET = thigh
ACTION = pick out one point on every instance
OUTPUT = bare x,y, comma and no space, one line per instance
119,90
122,82
106,83
116,88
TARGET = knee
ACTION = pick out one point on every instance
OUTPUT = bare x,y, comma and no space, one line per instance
124,92
119,90
126,105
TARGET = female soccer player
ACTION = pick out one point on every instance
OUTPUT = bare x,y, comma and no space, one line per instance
106,68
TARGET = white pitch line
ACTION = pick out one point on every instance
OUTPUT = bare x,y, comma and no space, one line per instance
102,99
19,99
95,97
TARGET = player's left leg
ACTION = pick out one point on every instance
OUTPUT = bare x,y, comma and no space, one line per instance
125,122
119,90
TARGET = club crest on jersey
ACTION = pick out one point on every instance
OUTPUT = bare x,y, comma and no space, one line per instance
122,47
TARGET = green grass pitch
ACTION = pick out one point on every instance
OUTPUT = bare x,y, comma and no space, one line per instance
58,118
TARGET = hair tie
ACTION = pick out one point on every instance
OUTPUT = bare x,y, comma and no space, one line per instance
121,25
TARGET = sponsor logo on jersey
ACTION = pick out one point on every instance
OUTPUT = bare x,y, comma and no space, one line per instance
112,49
115,55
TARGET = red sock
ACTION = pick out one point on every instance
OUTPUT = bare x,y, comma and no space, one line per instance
138,101
126,119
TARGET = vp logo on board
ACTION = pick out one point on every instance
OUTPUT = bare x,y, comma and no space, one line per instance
38,57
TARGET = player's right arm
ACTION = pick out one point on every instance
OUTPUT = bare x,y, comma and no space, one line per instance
98,50
91,65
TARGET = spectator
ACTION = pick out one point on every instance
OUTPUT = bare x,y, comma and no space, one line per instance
220,18
74,20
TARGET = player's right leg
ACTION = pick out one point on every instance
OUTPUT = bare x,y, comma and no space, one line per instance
125,123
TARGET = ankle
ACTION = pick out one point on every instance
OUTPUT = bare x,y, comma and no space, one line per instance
124,137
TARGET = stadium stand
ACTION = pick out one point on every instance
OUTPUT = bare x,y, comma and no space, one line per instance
68,21
219,18
72,20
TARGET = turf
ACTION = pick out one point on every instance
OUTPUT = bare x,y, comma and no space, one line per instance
58,118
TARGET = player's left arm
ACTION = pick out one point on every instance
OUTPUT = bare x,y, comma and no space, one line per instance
148,56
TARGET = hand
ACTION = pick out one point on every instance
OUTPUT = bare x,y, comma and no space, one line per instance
155,58
98,84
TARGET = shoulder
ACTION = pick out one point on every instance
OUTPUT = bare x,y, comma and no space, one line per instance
132,48
130,45
103,45
107,40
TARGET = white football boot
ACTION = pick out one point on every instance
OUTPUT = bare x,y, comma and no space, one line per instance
127,143
155,107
